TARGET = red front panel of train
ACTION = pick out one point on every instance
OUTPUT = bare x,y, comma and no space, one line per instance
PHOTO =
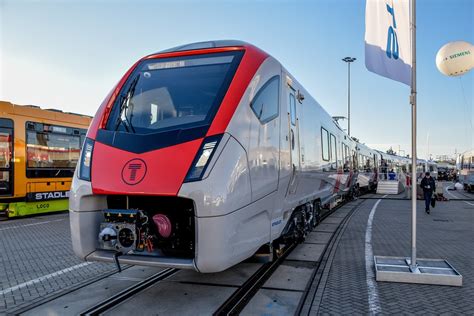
162,171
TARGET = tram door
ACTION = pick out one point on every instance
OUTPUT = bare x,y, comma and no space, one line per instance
294,142
6,157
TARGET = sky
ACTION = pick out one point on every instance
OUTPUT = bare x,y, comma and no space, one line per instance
69,54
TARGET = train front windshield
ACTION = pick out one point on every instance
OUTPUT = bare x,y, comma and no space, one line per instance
173,93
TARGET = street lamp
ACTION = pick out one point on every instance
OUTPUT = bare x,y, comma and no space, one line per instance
349,60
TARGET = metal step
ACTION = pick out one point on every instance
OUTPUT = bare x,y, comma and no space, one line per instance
389,187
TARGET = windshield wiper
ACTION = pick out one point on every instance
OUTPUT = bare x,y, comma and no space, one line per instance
124,103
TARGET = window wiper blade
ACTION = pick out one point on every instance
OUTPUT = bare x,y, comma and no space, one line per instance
119,119
124,103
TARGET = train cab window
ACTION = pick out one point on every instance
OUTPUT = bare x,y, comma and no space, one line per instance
51,151
325,144
265,104
333,152
173,93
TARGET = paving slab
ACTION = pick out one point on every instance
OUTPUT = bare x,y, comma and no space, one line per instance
290,276
339,215
318,238
174,298
273,302
323,227
445,233
333,220
35,253
307,252
234,276
79,300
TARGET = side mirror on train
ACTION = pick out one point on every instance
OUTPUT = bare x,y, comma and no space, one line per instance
300,97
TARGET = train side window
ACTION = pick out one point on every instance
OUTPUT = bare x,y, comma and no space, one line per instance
325,144
292,109
342,153
265,103
355,162
333,152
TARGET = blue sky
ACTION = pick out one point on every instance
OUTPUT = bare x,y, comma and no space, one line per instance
69,54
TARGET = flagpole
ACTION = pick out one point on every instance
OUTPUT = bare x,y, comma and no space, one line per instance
414,182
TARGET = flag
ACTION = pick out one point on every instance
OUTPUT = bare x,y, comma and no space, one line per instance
387,39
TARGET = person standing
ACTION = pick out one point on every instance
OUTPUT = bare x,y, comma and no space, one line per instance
428,185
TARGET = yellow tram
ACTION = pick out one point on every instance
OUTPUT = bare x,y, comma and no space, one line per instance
39,150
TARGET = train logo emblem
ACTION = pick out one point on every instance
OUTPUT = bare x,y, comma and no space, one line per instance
134,171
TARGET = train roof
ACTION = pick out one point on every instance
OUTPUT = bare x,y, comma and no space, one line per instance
204,45
48,114
468,153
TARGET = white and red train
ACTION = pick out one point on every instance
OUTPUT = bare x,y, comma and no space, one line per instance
465,167
203,154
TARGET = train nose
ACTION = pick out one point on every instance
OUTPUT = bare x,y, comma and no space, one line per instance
156,172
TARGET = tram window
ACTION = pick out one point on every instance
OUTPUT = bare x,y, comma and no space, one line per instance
51,154
5,161
265,103
5,150
325,143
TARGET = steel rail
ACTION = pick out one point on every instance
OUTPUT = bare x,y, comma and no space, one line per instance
128,292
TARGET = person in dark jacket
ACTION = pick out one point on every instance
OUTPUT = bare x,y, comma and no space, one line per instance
428,185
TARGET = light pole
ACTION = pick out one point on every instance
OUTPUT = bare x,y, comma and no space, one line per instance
349,60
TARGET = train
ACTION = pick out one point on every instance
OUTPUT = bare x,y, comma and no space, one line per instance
39,150
465,167
206,154
446,171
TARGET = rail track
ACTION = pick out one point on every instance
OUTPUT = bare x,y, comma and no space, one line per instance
129,292
239,299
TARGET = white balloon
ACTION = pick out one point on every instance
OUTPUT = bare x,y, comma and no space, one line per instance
455,58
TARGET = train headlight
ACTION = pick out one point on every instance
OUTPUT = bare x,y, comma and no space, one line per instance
86,160
203,158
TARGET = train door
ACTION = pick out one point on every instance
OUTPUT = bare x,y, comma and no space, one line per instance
294,141
6,157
